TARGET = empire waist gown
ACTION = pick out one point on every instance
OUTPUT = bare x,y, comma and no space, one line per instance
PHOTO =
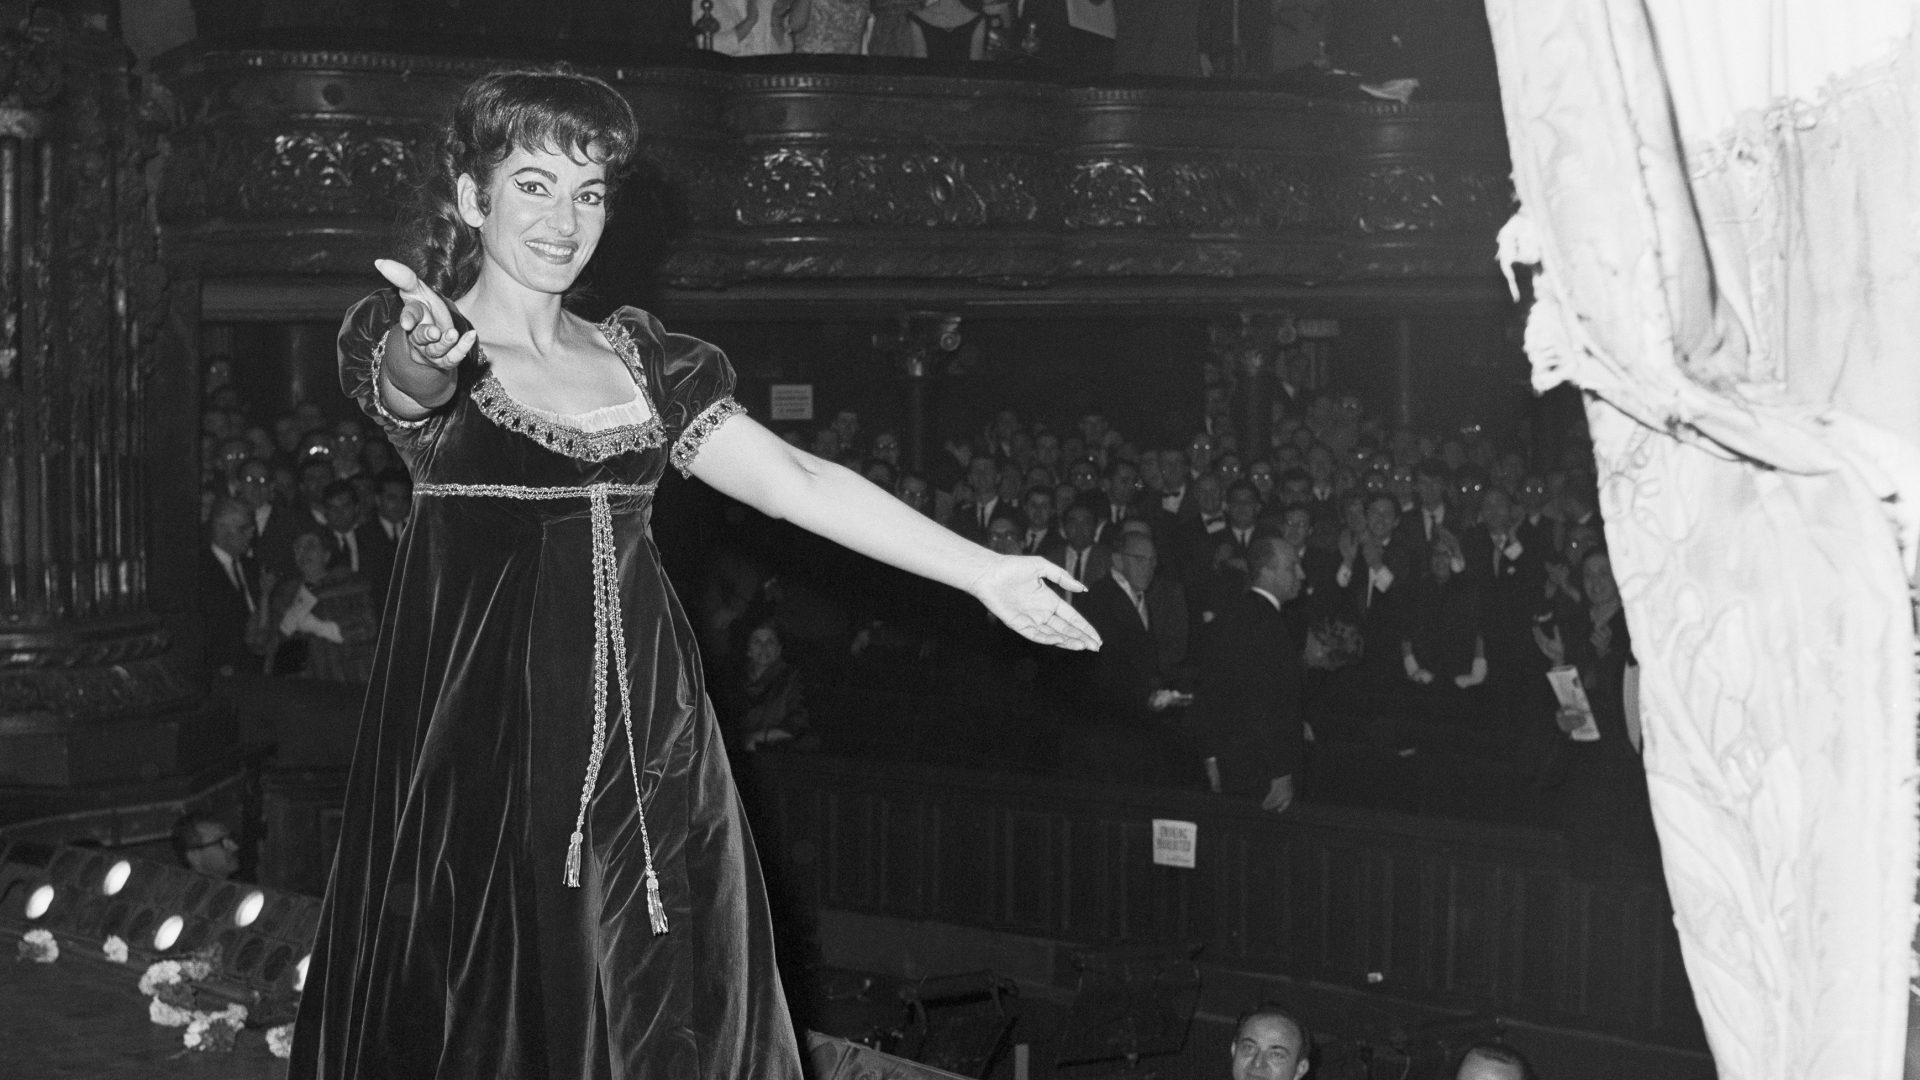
450,944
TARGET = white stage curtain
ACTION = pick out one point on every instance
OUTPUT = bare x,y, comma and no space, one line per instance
1720,206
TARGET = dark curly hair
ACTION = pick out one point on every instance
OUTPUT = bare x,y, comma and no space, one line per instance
501,111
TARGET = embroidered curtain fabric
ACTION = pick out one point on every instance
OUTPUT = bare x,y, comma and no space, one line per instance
1717,207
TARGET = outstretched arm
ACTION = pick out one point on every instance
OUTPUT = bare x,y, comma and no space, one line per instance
746,461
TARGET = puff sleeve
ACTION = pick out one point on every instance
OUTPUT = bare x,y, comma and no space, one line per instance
696,383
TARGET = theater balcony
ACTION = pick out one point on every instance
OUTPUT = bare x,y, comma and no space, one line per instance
823,185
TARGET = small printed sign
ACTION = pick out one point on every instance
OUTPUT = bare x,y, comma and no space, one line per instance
791,401
1173,842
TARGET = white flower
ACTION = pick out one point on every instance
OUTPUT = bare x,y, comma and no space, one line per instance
163,973
280,1041
166,1015
115,949
195,969
39,946
214,1030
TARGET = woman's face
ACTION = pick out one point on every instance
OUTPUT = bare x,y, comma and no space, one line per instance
543,218
310,556
763,647
1601,589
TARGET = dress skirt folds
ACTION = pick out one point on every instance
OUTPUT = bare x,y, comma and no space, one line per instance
527,602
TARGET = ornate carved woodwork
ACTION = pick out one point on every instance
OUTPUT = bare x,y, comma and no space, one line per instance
290,163
82,294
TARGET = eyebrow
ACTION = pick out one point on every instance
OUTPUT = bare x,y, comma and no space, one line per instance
551,178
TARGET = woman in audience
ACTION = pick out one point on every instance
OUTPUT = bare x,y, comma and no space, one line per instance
1602,788
1442,648
764,703
326,610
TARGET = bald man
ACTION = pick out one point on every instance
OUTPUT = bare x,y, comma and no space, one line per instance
1269,1045
1490,1061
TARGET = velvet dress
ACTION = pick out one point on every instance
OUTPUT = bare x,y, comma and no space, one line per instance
451,943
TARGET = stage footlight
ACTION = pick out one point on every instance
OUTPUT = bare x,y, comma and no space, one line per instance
39,901
169,932
249,909
116,878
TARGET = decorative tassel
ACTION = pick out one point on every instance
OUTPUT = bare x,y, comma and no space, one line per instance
656,910
573,860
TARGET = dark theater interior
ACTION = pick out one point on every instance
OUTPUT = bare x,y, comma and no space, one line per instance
1197,300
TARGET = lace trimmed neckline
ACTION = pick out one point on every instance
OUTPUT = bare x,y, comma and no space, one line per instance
584,437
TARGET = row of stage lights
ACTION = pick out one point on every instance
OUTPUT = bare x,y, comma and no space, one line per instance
260,939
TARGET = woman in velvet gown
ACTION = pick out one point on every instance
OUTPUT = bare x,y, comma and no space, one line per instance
543,869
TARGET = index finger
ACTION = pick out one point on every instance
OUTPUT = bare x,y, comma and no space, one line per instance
399,274
411,287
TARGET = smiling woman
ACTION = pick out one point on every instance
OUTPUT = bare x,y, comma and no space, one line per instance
543,869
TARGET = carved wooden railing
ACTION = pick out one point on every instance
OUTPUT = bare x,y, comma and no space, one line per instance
777,176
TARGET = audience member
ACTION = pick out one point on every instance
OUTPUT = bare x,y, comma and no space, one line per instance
233,592
1078,552
205,845
1269,1044
1441,645
1246,717
1494,1061
1602,788
764,703
326,611
1121,736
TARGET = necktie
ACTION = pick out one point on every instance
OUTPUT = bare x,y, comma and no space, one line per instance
240,582
1499,549
1140,605
347,546
1077,564
1242,536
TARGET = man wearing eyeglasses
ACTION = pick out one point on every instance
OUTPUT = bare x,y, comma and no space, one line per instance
205,845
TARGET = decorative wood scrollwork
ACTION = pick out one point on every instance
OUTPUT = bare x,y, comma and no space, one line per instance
821,176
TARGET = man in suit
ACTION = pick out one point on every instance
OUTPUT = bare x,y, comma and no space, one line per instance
978,501
1036,510
1246,712
393,503
231,594
1121,737
1078,552
1376,569
360,546
1122,488
1510,571
1193,538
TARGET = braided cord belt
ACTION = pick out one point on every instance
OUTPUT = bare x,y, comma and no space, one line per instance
609,647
